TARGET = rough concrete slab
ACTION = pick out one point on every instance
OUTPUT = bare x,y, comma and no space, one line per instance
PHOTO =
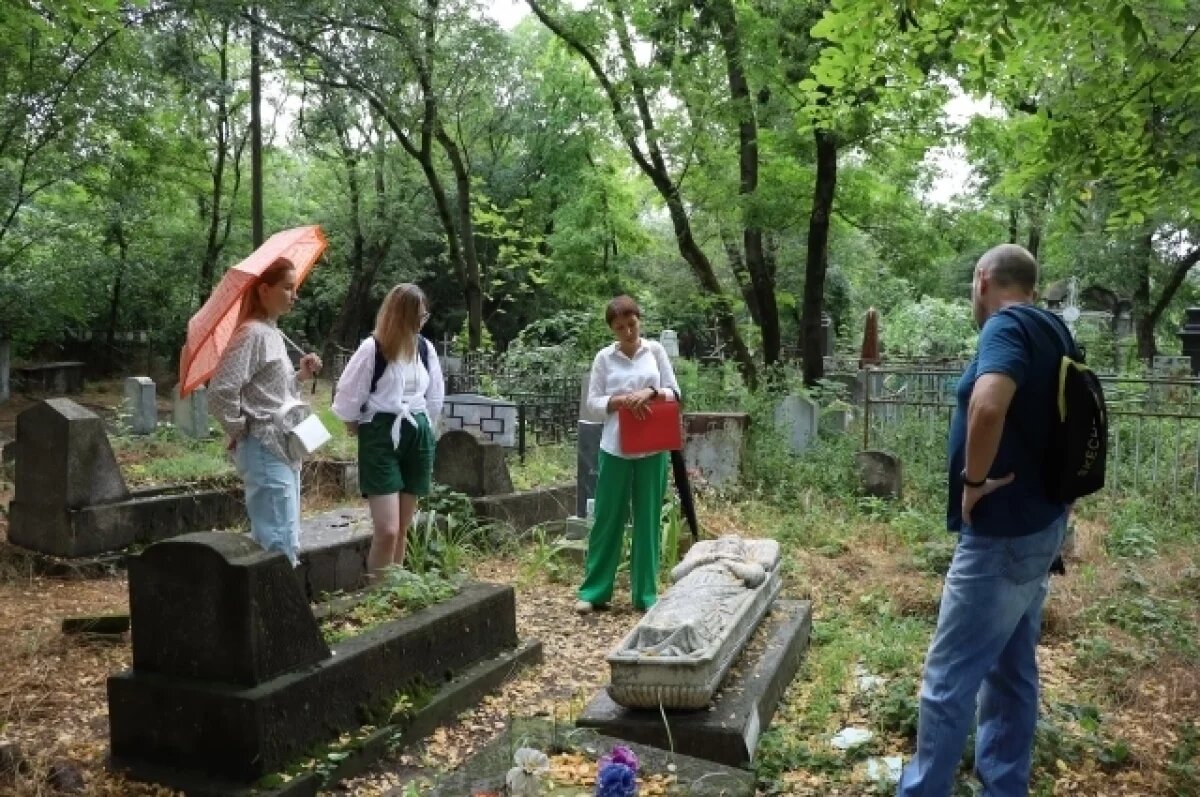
728,731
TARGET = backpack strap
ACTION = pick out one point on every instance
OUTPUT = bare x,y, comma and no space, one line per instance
381,363
1023,313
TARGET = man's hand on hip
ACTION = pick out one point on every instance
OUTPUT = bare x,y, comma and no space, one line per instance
971,495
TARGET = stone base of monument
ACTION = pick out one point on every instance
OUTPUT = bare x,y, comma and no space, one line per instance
232,681
146,516
485,771
727,731
457,695
527,509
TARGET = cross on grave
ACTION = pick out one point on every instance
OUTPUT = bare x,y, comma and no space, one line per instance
446,341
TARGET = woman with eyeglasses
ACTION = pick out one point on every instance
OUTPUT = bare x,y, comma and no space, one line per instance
390,395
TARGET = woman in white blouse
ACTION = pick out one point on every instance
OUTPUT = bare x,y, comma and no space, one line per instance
628,373
390,395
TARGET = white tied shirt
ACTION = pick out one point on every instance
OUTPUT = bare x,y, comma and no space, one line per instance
405,388
613,373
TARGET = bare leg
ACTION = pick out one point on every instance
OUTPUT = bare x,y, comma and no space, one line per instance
408,508
385,515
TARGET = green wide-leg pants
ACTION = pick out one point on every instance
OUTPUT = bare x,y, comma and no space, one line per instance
621,483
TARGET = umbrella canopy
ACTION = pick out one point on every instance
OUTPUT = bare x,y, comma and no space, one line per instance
211,328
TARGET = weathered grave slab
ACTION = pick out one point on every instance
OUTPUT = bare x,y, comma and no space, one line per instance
679,652
217,607
880,473
470,465
587,463
714,444
528,508
486,770
141,402
193,712
797,417
53,378
190,414
727,732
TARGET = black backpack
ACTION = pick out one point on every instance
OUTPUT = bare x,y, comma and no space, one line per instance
381,362
1077,452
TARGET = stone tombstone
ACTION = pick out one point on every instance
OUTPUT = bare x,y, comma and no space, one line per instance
191,413
827,335
880,473
587,464
713,446
490,418
681,649
5,369
798,417
835,419
670,342
142,405
470,465
63,462
214,606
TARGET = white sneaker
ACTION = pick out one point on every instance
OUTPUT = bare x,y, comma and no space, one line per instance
584,607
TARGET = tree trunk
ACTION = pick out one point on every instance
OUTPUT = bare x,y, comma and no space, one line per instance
1178,275
761,278
817,258
1143,260
214,243
256,165
117,234
741,274
654,165
472,288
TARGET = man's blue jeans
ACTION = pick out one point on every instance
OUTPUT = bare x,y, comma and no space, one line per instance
984,656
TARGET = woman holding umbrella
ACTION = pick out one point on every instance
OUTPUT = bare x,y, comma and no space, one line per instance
390,395
628,373
253,381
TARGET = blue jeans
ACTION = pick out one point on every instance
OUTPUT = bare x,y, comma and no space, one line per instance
272,498
984,658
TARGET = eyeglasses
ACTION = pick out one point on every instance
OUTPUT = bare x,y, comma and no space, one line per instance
424,318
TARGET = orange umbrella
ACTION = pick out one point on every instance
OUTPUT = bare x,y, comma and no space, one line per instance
210,329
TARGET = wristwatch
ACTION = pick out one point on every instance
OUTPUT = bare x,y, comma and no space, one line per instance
970,483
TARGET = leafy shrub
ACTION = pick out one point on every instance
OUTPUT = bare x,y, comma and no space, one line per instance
929,328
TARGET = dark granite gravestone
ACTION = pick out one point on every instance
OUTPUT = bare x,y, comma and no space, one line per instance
216,606
231,679
587,464
880,474
64,462
471,466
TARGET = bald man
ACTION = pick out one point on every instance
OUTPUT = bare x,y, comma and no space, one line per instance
982,660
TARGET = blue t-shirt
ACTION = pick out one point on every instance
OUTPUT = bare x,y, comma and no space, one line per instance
1029,353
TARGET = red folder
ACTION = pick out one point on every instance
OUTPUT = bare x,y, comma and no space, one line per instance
660,430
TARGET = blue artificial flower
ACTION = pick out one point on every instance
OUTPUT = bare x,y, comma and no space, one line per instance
616,780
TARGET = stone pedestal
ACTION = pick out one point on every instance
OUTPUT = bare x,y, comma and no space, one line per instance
191,413
64,463
728,731
880,474
215,606
470,465
142,405
587,464
1189,336
714,443
797,418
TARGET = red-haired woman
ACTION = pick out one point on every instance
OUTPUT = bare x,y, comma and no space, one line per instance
253,381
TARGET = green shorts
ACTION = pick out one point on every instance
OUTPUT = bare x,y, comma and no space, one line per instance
408,468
